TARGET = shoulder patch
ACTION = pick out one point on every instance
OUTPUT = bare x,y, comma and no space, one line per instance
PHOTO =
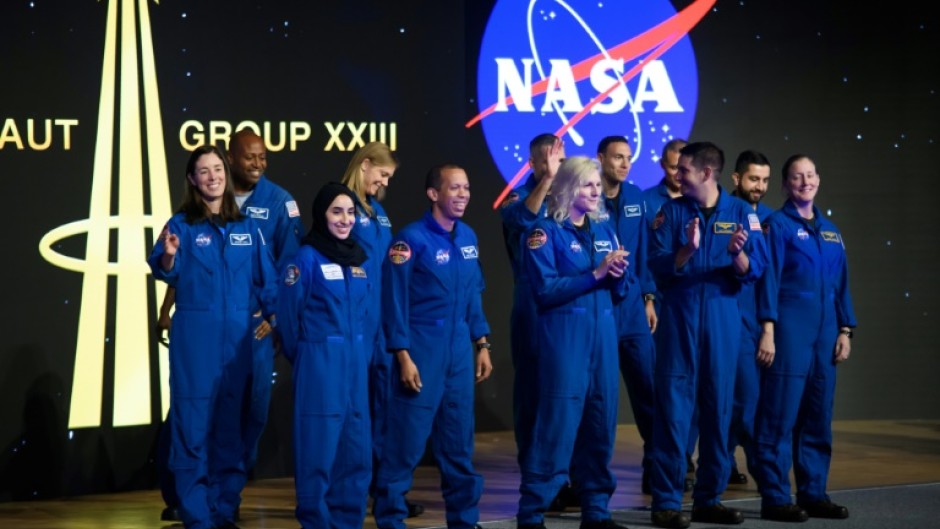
536,239
291,274
292,209
765,227
399,253
509,200
659,219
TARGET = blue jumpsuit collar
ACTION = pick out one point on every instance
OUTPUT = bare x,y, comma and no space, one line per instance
432,224
789,209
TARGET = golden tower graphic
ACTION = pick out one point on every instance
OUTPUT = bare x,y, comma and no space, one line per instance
128,87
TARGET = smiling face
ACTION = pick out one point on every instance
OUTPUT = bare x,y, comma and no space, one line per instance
752,184
692,180
208,177
615,162
588,195
802,182
375,177
454,194
249,160
341,217
670,165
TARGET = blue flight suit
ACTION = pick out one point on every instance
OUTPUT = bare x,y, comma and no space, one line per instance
222,276
323,309
374,234
276,213
747,379
277,216
697,344
523,346
805,291
576,388
624,212
653,200
431,306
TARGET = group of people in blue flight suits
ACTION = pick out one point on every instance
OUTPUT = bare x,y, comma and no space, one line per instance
710,286
725,320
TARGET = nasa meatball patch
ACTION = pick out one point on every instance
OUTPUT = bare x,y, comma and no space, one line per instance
291,274
399,253
536,239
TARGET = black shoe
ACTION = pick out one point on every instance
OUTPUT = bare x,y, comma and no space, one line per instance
717,513
787,512
645,484
414,509
170,514
690,466
566,497
670,519
602,524
737,478
688,484
539,525
825,509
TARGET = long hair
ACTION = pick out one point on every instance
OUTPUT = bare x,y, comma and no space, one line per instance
572,173
193,206
376,152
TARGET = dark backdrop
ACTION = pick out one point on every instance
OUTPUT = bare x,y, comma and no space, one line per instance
854,87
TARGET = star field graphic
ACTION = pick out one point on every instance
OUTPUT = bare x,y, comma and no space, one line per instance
854,87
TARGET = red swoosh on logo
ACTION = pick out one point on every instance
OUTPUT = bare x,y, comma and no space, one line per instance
658,39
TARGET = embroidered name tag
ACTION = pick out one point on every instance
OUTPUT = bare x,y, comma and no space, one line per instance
239,239
603,246
830,236
258,213
469,252
633,210
332,271
725,228
383,221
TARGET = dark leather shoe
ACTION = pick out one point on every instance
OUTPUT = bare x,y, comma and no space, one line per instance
825,509
670,519
414,509
170,514
602,524
717,513
737,478
566,497
784,513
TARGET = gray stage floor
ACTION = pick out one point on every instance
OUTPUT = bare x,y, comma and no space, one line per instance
894,507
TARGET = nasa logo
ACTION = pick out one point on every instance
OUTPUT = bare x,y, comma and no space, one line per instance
442,256
584,70
203,240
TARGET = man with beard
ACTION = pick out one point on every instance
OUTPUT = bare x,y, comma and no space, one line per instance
751,177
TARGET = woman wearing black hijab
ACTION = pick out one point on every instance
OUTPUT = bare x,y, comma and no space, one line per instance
321,309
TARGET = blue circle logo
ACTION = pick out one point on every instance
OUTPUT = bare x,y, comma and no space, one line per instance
584,70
